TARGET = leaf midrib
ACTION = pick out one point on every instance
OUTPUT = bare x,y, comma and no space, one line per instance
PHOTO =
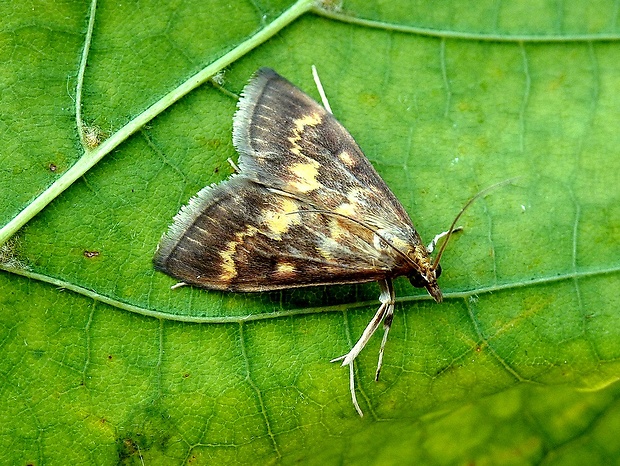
574,275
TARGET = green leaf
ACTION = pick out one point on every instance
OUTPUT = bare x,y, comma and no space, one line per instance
103,363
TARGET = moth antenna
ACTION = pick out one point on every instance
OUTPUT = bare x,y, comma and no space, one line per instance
452,228
319,87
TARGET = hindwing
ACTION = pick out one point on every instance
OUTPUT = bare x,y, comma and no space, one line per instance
242,236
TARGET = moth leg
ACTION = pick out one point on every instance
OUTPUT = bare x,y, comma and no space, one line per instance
352,390
387,307
433,244
178,285
371,328
319,88
388,298
347,359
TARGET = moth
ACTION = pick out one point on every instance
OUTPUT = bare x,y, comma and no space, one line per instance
304,208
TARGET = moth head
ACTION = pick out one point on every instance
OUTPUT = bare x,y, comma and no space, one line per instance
424,273
428,279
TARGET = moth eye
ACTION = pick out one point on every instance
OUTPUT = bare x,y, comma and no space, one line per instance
417,280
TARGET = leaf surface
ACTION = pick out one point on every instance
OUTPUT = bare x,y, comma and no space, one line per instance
103,363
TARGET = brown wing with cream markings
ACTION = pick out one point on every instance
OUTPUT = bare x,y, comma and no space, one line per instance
242,236
289,142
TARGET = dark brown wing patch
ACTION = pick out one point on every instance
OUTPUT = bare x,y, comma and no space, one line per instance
288,141
241,236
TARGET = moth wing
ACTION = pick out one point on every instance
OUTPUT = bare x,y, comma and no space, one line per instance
287,141
243,236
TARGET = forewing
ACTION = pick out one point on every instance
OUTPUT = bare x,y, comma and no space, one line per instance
243,236
288,141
